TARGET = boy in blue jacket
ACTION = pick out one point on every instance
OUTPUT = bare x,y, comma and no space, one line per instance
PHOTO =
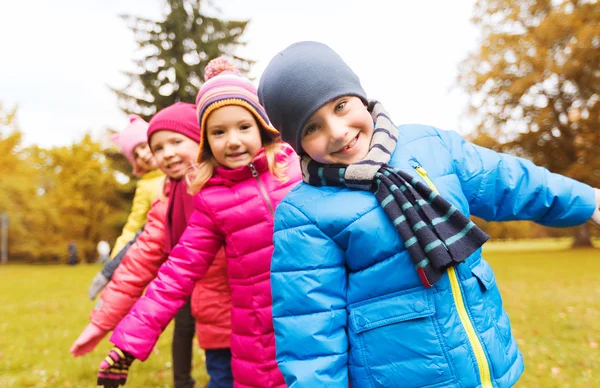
377,275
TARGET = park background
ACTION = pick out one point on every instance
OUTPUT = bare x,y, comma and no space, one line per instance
521,77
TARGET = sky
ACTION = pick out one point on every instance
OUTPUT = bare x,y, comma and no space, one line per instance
59,58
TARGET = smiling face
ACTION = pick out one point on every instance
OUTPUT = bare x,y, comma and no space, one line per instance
174,153
233,136
339,132
143,158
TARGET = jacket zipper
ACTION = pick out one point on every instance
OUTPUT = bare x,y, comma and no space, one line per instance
421,171
262,188
480,357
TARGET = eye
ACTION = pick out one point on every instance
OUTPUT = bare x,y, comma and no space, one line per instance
245,126
217,132
157,148
340,106
312,128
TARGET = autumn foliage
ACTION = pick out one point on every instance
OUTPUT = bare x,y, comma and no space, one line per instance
53,196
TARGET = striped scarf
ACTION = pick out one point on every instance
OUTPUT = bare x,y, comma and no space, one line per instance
435,233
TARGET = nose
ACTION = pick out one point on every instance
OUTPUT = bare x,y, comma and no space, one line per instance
168,151
336,129
233,139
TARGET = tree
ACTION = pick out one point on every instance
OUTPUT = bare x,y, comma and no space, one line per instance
175,52
82,195
534,84
18,185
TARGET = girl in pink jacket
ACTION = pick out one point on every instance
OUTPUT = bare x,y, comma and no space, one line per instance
173,135
244,172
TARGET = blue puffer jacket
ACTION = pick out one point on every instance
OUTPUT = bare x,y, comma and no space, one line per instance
348,303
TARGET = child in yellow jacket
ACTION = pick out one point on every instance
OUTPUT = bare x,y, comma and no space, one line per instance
133,144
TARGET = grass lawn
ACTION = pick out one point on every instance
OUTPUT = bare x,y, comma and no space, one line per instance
553,300
551,294
43,309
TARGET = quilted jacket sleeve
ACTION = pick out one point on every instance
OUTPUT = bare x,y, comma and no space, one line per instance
188,262
140,265
501,187
308,280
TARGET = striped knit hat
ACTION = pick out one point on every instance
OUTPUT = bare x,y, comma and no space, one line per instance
225,86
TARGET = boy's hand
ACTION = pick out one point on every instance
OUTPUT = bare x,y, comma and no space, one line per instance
114,368
596,216
88,339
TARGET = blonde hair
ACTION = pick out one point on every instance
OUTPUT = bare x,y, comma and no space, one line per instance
204,170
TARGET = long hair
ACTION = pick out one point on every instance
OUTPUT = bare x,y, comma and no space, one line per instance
203,171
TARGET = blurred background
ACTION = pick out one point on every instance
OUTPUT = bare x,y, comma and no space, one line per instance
521,77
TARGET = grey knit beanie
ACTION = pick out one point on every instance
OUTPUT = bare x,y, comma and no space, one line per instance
301,79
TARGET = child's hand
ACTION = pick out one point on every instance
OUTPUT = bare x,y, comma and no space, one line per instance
596,216
114,368
88,339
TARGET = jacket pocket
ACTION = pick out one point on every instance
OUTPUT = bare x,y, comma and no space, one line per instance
483,272
395,342
393,310
490,311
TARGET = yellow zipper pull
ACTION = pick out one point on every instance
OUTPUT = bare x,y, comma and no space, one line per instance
421,171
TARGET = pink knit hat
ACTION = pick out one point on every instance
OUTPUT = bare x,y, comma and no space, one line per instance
179,117
129,138
225,86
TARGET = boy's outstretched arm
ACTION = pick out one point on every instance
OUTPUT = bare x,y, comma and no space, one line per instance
308,281
501,187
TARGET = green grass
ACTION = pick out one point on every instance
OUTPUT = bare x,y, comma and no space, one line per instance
43,309
552,296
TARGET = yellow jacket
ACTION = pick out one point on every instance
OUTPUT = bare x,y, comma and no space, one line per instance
147,189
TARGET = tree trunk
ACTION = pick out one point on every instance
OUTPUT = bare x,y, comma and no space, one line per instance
582,238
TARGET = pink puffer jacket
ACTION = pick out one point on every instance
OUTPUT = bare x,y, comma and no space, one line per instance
211,299
235,210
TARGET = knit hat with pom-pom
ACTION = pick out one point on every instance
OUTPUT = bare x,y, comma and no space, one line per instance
130,137
225,86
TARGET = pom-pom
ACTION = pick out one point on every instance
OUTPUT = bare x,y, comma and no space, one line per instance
217,66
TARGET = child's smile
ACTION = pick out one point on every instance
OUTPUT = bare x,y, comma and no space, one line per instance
174,152
233,135
175,167
349,147
339,132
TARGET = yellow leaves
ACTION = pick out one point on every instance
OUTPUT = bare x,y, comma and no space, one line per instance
56,195
535,72
521,85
